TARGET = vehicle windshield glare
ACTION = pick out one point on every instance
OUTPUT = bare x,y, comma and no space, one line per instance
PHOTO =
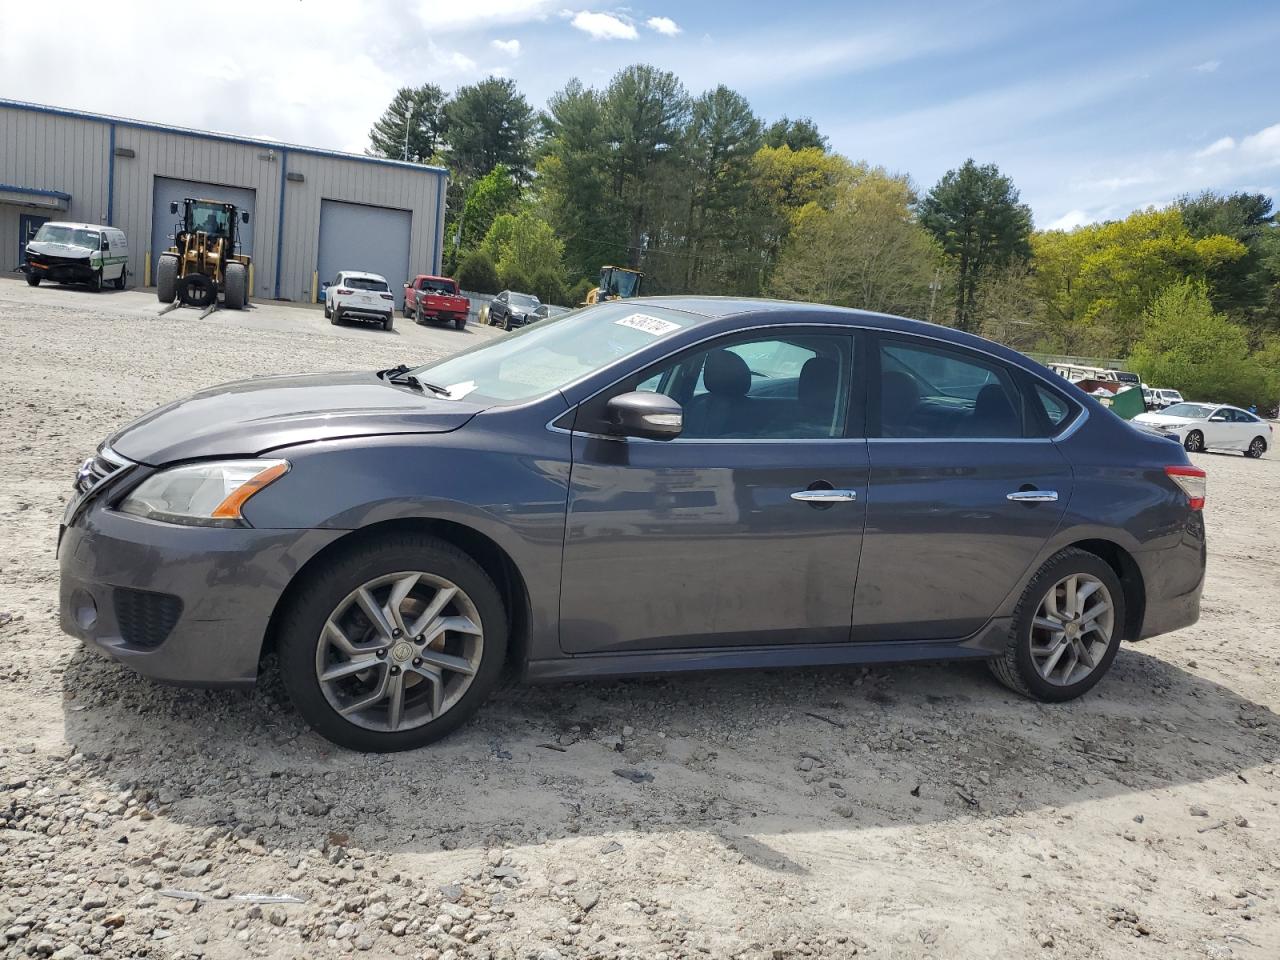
73,236
554,352
365,283
1192,411
210,218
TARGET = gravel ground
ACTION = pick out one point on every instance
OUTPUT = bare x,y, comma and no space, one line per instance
916,811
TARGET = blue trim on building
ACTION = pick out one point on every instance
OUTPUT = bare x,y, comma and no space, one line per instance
11,188
220,137
111,176
440,238
284,172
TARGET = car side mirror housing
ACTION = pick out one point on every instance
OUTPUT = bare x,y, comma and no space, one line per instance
173,206
652,416
1217,418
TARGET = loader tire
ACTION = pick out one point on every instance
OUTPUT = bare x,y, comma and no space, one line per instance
166,278
234,295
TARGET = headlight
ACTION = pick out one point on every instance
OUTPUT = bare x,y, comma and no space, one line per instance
203,494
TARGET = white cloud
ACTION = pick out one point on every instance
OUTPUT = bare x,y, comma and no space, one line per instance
1263,146
1070,220
442,16
1221,145
603,26
1209,66
510,47
664,25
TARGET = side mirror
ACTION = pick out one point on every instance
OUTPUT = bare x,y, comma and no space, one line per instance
653,416
1217,418
173,206
244,216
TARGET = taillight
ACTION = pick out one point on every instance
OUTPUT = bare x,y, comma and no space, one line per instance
386,296
344,291
1192,482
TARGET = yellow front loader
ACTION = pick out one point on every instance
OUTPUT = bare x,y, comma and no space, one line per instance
204,260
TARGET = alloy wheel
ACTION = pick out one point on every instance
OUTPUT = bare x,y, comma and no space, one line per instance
1072,629
1195,441
399,651
1258,447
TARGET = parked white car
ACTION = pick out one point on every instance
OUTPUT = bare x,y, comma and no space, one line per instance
360,296
1211,426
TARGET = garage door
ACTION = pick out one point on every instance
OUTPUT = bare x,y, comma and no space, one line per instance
163,222
354,236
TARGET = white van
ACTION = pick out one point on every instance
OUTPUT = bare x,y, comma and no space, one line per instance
78,253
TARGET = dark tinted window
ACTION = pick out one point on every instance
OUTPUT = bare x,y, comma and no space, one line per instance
929,392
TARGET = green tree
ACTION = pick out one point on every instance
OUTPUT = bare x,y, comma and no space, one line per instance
412,127
527,250
1243,288
478,274
489,123
801,134
867,251
495,193
1188,346
578,292
975,213
498,235
1096,281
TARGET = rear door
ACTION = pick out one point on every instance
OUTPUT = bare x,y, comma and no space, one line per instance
963,494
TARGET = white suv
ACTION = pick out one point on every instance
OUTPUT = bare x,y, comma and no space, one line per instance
359,296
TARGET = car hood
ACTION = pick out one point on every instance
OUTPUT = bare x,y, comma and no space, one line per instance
60,249
1163,418
249,417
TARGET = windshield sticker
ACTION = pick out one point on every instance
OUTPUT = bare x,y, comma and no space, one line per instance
655,326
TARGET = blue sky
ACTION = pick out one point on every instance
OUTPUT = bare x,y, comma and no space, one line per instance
1093,108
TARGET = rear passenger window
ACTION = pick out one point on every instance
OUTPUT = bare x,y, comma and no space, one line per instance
1055,408
928,392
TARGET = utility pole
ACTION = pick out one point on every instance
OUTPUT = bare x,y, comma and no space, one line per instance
408,122
934,286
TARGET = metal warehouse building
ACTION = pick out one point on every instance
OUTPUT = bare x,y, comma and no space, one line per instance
312,212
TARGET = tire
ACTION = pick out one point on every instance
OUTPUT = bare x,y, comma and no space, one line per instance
460,323
235,291
418,318
335,317
121,280
197,290
1257,447
326,309
33,280
166,278
99,282
506,323
1194,442
388,323
1017,668
404,309
303,642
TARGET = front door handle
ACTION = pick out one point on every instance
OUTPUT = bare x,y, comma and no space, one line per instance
1034,496
825,496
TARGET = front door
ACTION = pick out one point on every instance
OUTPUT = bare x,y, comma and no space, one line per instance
744,530
28,225
962,497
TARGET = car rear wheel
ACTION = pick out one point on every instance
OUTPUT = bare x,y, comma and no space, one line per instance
335,316
394,644
459,323
1066,629
121,280
1257,447
1194,442
388,323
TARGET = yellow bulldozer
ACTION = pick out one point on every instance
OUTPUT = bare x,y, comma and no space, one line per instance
204,260
616,283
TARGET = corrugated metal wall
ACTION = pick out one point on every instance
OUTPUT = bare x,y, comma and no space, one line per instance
52,151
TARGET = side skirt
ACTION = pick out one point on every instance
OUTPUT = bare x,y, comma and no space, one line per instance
986,643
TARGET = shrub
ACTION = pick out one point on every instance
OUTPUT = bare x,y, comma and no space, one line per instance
478,274
549,288
578,292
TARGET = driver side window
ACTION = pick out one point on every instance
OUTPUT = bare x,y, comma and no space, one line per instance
782,386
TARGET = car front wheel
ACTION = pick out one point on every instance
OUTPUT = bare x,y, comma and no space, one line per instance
1066,629
394,644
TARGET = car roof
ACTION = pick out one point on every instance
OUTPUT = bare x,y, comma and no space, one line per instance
77,226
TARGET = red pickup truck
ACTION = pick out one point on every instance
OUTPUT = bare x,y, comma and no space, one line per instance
435,298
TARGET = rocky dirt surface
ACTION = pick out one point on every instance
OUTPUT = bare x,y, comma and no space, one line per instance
916,811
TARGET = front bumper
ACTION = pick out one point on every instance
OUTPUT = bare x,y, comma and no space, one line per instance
184,605
67,269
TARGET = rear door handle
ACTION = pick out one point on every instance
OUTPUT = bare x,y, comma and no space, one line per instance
825,496
1034,496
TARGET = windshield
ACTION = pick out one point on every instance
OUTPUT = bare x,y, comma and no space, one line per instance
548,355
365,283
74,236
211,218
623,283
523,300
1192,411
439,286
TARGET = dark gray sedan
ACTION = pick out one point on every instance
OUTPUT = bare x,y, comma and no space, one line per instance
641,486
